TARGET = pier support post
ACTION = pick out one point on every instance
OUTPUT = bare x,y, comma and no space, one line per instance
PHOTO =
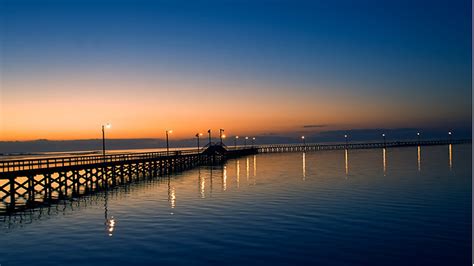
12,193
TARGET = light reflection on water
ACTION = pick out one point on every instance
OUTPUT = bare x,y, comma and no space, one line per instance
419,158
292,215
450,156
304,165
346,161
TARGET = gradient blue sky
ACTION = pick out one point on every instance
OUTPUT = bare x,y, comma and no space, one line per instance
266,66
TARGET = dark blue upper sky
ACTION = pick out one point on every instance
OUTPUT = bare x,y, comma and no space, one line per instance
402,55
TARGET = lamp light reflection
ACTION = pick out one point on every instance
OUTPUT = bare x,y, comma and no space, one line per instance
247,166
202,185
346,159
224,178
171,195
111,226
384,162
238,173
254,165
304,166
450,156
419,159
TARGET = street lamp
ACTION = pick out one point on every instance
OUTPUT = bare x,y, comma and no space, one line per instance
235,141
197,136
304,140
220,134
418,137
103,136
167,141
345,137
222,138
450,136
209,133
245,143
384,141
253,141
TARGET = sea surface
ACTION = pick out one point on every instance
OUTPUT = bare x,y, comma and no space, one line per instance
396,206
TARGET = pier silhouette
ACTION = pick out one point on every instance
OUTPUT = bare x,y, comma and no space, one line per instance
31,183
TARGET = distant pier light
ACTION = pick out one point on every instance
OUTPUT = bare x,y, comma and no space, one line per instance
384,140
106,126
304,140
253,141
245,142
450,134
345,138
418,134
235,141
167,141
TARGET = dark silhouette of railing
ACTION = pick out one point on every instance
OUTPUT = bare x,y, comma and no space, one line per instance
342,146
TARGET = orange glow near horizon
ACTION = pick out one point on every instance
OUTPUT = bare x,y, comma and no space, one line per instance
76,109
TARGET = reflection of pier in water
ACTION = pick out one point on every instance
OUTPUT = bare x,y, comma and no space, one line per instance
32,183
61,207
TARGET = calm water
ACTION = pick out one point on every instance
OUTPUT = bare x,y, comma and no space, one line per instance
393,207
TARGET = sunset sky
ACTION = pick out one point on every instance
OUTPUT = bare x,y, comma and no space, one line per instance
67,67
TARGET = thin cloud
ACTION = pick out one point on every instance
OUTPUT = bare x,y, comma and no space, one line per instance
314,126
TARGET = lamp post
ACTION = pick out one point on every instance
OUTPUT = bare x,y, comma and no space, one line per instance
245,143
103,137
220,134
345,137
253,141
167,141
450,133
209,133
222,138
197,136
304,140
384,141
235,141
418,137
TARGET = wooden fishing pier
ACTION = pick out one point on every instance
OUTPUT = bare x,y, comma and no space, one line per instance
35,182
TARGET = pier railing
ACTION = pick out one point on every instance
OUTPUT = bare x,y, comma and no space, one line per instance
338,146
56,162
31,164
